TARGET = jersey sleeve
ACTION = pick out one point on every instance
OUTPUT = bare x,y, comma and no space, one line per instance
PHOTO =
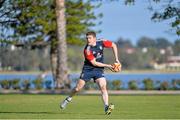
107,43
88,54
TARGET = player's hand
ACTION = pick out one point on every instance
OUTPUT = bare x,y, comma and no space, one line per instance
109,66
117,61
116,67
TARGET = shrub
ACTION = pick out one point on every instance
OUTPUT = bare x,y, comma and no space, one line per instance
5,84
175,84
26,84
109,85
164,85
148,84
157,85
15,83
132,85
178,82
48,84
90,86
116,84
38,83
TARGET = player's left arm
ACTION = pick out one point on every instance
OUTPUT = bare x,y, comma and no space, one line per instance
109,44
115,51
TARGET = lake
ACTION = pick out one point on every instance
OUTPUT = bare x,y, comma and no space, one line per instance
124,77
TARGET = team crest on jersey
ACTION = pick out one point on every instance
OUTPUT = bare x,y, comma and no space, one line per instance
100,47
99,55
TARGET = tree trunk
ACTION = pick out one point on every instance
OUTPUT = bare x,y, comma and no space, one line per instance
53,59
62,80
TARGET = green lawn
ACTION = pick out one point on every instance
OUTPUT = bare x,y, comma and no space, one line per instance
126,107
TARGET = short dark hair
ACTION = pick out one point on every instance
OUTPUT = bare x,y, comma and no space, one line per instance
91,33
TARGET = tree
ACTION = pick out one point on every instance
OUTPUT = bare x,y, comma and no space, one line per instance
124,43
146,42
170,11
62,70
177,47
36,22
6,12
7,15
162,43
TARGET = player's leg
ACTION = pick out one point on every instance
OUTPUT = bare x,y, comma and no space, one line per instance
103,87
80,84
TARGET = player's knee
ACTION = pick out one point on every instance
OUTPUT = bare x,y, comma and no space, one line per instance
77,89
103,88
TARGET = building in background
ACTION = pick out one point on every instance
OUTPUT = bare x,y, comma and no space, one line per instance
172,63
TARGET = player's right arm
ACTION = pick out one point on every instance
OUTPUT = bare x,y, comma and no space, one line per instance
99,64
90,57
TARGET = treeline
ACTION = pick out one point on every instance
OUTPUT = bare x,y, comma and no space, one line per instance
146,52
139,56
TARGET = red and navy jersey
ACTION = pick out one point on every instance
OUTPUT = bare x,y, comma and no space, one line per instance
95,52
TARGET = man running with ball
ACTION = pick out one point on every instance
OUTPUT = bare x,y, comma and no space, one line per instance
94,69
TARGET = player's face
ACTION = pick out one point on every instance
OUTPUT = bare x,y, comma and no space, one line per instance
91,40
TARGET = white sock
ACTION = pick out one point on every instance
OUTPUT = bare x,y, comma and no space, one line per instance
69,98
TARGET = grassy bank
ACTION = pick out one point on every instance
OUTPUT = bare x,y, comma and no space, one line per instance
89,107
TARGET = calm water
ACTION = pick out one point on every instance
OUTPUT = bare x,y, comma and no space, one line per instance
125,78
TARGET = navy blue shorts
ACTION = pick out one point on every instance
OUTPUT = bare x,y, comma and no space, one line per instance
88,75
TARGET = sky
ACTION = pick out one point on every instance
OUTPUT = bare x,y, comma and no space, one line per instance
131,22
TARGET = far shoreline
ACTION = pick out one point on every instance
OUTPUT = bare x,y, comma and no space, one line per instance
106,72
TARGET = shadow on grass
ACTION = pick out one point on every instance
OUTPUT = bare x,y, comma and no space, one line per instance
45,113
29,113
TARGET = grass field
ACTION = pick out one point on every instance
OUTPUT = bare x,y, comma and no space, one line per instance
89,107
